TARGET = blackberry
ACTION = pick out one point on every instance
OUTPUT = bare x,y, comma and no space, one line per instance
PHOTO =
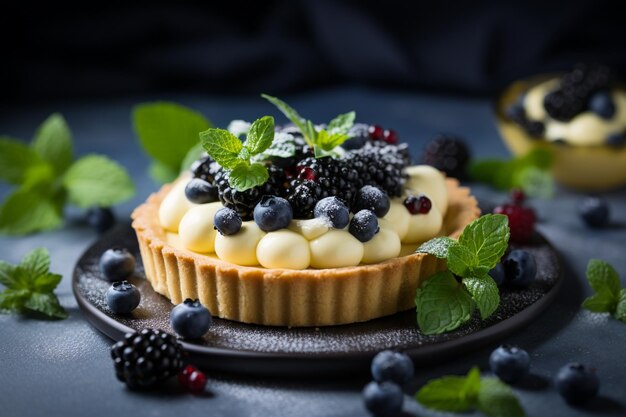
380,165
303,197
447,153
243,202
334,177
205,168
146,357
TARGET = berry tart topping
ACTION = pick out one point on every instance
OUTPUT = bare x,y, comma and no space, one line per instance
334,210
364,225
447,153
193,379
510,363
595,212
418,205
373,199
396,367
200,191
520,268
117,264
616,140
272,213
146,357
601,103
123,297
190,319
577,383
100,218
226,221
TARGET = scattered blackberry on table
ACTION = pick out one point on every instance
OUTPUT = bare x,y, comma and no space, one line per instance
190,319
595,212
123,297
226,221
577,383
447,153
392,366
117,264
509,363
100,218
200,191
146,357
383,399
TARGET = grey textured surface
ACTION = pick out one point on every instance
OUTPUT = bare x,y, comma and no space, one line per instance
63,368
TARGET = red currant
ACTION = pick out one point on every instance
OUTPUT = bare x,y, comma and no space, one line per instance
376,132
306,173
521,221
390,136
418,205
197,382
183,376
518,196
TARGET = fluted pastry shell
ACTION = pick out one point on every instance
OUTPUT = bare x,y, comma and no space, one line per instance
284,297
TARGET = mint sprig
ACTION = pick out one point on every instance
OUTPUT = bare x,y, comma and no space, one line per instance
47,177
323,141
459,394
30,285
443,303
610,297
237,157
167,132
530,172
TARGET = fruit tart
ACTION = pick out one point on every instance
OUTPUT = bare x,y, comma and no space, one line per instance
580,116
299,225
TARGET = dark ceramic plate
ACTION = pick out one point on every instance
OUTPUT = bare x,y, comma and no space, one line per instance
235,347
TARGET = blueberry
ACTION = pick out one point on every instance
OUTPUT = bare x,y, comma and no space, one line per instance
364,225
516,112
272,213
123,297
100,218
227,221
117,264
509,363
577,383
383,399
616,140
392,366
520,268
334,210
602,104
199,191
595,212
371,198
358,134
498,274
190,319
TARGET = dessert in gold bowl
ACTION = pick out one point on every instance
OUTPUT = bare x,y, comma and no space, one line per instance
579,116
299,225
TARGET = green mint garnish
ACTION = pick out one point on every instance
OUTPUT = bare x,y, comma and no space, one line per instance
239,158
323,141
47,178
443,304
460,394
531,173
30,286
610,297
167,132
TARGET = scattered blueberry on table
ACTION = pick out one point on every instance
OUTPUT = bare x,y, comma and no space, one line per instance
190,319
117,264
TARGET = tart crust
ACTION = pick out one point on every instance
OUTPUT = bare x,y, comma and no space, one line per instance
284,297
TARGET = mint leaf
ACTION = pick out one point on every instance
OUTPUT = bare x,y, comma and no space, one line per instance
244,176
602,276
461,260
620,310
485,293
437,247
601,302
496,399
53,143
47,282
471,387
96,180
36,262
6,274
16,159
283,146
167,131
162,173
537,157
341,123
260,135
328,141
486,170
13,299
28,211
222,146
442,304
289,112
487,238
46,303
535,182
443,394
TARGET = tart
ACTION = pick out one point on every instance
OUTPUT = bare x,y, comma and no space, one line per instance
579,116
322,241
